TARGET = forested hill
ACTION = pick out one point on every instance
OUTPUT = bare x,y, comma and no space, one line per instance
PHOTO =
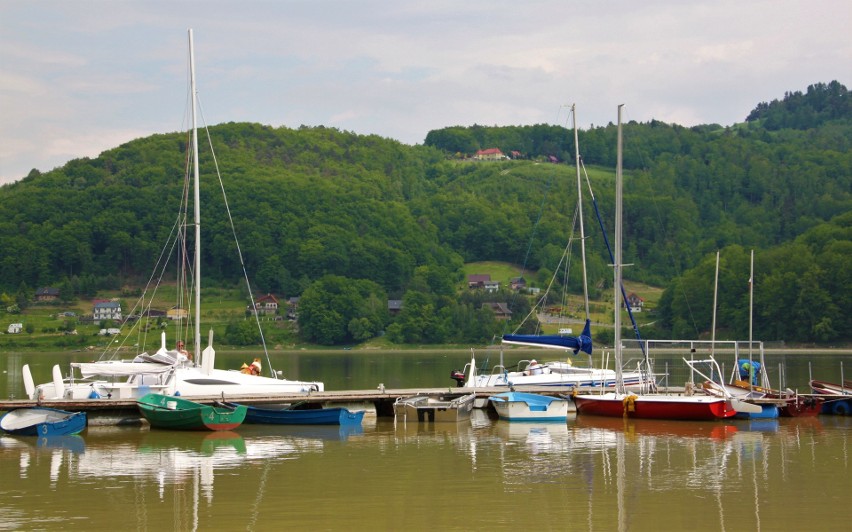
318,201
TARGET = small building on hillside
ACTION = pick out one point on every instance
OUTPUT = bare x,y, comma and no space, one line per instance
636,302
265,305
478,280
492,286
15,328
177,314
47,294
518,283
501,310
491,154
292,308
394,306
106,310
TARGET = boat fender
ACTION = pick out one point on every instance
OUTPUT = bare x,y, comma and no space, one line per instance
840,408
629,403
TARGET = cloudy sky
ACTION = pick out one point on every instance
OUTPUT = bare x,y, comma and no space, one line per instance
78,77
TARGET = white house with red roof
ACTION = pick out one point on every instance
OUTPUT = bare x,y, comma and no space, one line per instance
491,154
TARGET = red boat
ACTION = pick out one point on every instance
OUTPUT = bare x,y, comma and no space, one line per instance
837,398
683,407
800,406
795,405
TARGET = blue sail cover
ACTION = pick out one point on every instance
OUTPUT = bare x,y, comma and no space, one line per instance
555,341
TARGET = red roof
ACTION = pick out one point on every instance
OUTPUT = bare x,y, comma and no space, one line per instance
490,151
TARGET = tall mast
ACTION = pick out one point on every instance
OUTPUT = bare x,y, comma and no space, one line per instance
617,260
580,208
750,303
197,205
715,299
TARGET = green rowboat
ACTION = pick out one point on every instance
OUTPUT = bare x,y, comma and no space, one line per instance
170,412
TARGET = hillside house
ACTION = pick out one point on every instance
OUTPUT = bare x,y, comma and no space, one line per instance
636,302
478,280
47,294
518,283
501,310
292,308
106,310
491,154
265,305
394,306
491,286
15,328
177,313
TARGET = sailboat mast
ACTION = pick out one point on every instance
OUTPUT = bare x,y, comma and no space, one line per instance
750,303
617,259
715,299
197,205
580,208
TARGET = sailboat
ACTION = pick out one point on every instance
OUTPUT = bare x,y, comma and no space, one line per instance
649,406
167,371
555,373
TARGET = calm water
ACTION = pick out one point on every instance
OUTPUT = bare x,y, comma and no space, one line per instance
588,474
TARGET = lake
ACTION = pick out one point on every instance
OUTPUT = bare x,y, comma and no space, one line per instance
589,473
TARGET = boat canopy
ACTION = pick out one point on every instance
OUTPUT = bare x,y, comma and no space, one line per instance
555,341
119,369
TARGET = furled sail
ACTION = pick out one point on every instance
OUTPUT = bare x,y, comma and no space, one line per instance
555,341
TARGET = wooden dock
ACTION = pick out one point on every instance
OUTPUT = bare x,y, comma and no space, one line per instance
377,402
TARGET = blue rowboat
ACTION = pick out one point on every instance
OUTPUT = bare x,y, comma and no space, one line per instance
42,421
287,415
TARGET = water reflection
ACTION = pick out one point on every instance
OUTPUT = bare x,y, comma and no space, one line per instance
593,473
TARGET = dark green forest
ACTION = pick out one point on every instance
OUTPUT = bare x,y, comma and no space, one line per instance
347,221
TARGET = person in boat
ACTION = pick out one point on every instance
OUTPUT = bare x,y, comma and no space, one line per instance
749,371
253,369
534,367
182,351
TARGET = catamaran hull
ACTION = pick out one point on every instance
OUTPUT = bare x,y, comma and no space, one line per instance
558,380
691,408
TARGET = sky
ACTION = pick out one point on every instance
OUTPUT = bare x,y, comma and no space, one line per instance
78,77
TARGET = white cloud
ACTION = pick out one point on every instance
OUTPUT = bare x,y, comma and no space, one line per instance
78,79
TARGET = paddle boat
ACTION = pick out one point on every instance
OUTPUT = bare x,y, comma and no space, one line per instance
518,406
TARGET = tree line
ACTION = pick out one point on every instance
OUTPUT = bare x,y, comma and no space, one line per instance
357,219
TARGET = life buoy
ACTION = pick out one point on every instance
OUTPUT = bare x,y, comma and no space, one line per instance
840,408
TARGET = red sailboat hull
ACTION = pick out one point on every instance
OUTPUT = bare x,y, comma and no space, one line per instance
695,408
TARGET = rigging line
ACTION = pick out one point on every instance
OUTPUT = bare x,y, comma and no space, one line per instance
140,302
237,243
543,299
612,258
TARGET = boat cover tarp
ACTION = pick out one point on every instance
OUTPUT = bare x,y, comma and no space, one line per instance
554,341
119,369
